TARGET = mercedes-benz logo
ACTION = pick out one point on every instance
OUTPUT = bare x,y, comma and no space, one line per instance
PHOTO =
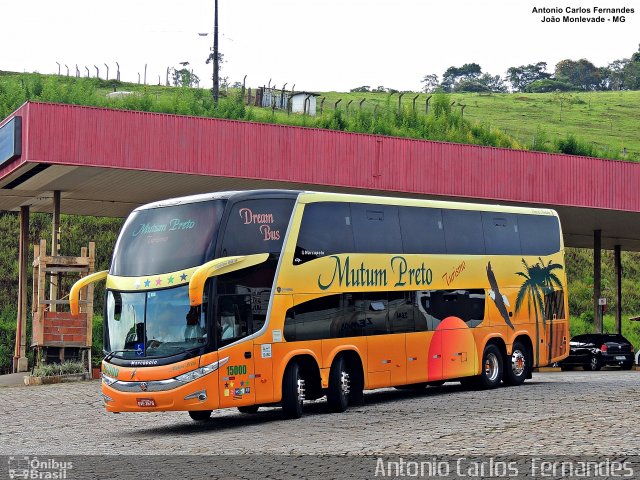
144,386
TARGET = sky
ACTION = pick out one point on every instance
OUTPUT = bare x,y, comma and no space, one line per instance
327,45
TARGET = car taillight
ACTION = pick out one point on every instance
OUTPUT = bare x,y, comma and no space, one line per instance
604,348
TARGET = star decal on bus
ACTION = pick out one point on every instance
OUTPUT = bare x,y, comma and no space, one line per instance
171,280
183,277
147,283
158,282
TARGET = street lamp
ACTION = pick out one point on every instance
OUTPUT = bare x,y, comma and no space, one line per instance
215,55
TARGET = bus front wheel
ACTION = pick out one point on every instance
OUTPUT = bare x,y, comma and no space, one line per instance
200,415
339,386
491,374
293,391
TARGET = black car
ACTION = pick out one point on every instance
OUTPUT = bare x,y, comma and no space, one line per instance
596,350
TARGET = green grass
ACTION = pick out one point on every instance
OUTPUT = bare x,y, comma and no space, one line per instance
609,121
602,124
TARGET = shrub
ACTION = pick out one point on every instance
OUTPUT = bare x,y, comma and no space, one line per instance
52,369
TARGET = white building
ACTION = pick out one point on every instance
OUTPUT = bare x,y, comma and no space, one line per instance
304,102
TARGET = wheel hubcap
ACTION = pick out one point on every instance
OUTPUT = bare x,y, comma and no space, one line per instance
491,367
518,362
594,362
301,390
344,383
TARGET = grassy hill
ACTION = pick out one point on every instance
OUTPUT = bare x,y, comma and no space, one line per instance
603,124
610,121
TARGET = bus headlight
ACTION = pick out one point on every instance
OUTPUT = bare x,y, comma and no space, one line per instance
107,380
202,371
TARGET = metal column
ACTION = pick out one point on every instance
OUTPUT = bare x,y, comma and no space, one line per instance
55,246
21,363
617,255
597,280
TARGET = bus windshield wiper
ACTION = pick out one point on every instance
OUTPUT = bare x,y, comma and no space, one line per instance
110,355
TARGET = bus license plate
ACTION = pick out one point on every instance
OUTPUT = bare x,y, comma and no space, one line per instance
146,402
619,357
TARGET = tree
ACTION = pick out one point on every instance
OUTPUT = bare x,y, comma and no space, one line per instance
548,85
583,74
363,88
520,77
636,56
431,82
454,75
617,77
184,77
562,98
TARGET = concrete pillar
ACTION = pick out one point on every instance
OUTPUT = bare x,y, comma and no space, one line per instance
618,267
597,280
21,363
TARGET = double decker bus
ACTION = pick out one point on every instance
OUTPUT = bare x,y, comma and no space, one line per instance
255,298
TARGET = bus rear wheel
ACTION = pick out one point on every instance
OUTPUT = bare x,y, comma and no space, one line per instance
293,391
339,386
200,415
516,369
491,374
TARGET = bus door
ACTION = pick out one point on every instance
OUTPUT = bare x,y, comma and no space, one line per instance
466,310
237,376
386,352
424,342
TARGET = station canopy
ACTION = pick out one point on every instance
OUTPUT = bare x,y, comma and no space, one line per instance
107,162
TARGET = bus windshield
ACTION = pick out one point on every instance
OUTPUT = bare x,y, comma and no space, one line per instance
153,323
167,239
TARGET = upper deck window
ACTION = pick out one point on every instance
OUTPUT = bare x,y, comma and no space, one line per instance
257,226
167,239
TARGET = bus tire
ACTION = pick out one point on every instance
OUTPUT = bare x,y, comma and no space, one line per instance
356,388
200,415
517,365
293,391
339,386
249,409
491,373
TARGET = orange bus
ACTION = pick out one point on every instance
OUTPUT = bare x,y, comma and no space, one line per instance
254,298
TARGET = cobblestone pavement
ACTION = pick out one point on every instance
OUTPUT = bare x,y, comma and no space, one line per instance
569,413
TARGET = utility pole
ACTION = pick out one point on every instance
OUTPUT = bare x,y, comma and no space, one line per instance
215,55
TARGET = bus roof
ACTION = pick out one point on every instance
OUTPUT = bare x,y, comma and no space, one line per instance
313,196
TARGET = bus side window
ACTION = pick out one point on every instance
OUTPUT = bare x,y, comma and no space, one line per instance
422,230
401,312
233,317
325,230
376,228
463,232
374,307
539,234
501,236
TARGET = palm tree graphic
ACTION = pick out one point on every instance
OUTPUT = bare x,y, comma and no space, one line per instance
539,281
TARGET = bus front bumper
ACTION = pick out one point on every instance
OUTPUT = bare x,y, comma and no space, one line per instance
160,395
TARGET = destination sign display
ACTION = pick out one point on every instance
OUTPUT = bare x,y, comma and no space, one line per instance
10,140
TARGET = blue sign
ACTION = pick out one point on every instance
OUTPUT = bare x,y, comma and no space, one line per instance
139,348
11,140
